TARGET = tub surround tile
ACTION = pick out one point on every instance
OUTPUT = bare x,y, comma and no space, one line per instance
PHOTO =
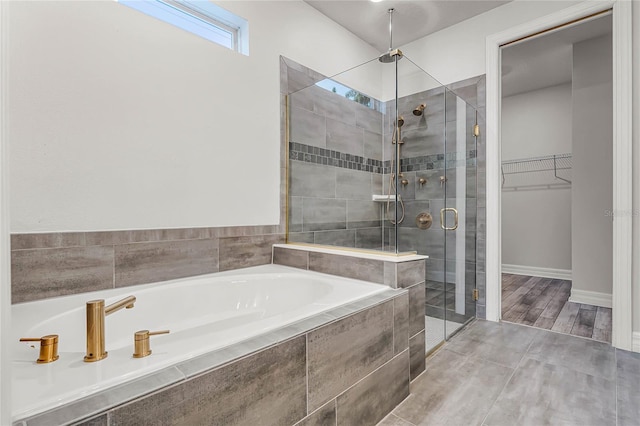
350,267
294,258
208,361
362,304
400,323
109,398
41,273
102,420
405,274
47,240
374,318
58,264
417,349
142,263
341,353
323,416
266,388
416,308
302,327
242,252
371,399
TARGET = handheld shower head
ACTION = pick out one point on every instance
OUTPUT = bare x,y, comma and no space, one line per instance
419,110
400,121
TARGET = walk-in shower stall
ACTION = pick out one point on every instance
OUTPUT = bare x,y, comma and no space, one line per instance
383,157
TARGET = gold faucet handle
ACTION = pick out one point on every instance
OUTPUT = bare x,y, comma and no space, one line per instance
48,347
141,345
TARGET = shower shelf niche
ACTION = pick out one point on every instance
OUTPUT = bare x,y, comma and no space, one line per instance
537,172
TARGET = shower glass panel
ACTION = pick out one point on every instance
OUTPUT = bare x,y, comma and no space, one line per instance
345,143
382,157
439,163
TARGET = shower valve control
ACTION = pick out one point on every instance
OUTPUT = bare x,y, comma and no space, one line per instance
424,220
443,180
422,181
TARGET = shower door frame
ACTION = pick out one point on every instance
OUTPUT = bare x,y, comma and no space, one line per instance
624,235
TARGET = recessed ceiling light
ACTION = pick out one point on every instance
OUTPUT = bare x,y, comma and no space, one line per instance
376,1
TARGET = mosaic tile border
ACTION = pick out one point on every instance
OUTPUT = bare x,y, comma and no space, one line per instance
316,155
327,157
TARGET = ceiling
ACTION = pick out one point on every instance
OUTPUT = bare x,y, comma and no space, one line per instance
411,19
546,60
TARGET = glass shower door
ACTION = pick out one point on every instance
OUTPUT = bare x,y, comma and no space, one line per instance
457,215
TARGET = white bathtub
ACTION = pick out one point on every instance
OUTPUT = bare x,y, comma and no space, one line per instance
204,313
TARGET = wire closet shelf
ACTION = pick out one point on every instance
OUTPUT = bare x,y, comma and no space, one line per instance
537,172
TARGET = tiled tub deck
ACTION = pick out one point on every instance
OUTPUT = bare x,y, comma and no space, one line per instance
349,363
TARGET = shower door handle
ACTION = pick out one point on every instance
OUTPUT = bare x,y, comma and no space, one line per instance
455,218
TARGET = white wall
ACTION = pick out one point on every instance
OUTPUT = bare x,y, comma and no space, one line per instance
592,198
119,121
458,52
536,224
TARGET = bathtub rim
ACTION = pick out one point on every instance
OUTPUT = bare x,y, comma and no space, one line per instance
103,400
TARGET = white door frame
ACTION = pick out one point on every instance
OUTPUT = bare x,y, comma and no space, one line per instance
622,327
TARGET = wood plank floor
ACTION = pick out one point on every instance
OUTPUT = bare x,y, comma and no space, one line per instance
544,303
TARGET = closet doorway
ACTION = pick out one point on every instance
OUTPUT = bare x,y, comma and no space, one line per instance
557,179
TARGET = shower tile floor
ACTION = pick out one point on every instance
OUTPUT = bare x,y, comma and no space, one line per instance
436,332
503,374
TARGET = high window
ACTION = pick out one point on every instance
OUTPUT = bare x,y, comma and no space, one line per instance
200,17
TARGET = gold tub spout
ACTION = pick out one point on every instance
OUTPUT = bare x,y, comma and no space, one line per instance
96,313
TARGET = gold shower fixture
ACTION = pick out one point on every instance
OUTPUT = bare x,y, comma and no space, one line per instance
419,110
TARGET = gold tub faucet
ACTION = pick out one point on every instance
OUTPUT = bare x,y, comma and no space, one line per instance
96,313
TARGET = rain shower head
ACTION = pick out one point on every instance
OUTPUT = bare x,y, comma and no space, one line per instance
392,55
419,110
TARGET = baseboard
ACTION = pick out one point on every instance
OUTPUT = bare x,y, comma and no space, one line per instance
636,341
590,298
534,271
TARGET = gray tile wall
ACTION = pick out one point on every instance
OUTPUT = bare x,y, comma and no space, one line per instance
56,264
409,309
334,156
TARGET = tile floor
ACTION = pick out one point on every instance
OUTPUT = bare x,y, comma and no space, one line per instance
498,374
